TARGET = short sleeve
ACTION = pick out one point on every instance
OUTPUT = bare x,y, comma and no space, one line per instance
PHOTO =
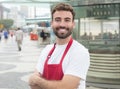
79,62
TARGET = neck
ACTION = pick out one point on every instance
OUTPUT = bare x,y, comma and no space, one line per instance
62,41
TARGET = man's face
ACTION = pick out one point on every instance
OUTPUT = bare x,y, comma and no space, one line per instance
62,24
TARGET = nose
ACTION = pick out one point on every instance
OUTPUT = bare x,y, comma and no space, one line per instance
62,23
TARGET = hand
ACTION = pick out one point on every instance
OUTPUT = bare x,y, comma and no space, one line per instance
34,78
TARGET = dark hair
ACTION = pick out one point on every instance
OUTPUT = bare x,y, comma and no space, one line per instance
63,7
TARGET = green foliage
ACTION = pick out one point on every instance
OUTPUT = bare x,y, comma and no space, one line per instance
7,22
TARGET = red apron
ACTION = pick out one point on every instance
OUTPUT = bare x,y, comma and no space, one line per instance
54,71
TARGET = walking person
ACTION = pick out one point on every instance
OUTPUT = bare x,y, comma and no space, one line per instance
62,65
42,35
11,34
19,38
0,35
6,34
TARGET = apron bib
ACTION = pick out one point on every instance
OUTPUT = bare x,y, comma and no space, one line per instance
54,71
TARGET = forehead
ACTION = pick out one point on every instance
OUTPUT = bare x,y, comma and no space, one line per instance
62,14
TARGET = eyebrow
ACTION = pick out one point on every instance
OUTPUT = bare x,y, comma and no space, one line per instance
57,18
60,18
68,18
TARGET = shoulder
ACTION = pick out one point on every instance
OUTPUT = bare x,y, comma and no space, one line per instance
48,48
79,60
76,46
79,52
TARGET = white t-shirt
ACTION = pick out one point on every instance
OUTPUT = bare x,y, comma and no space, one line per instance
76,61
19,35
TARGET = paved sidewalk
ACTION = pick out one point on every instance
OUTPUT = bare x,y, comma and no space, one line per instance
15,66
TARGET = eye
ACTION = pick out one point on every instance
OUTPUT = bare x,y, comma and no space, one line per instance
57,19
67,20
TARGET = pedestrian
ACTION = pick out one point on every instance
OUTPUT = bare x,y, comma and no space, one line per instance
42,35
0,35
19,38
62,65
11,33
5,34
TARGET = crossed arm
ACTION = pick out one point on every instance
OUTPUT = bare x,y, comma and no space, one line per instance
68,82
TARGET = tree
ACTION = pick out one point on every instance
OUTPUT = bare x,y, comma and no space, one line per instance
7,23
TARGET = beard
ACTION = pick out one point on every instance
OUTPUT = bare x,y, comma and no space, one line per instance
62,35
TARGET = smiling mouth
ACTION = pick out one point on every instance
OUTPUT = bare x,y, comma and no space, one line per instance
62,30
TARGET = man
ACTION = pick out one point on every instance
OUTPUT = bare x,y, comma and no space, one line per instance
6,34
19,38
42,35
63,65
0,35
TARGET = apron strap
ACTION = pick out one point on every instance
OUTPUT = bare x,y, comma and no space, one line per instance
66,50
50,53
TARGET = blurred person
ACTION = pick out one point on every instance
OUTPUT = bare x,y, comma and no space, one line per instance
19,38
0,35
62,65
43,35
11,33
6,34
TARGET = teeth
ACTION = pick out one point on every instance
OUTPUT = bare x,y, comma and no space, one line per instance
62,30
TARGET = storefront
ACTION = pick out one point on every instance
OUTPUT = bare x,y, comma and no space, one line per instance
98,28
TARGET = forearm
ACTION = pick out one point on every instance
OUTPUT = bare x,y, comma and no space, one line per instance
36,82
65,83
47,84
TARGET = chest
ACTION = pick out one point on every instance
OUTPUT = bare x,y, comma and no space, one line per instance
57,55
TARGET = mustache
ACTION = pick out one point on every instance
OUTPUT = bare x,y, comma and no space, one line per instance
61,27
